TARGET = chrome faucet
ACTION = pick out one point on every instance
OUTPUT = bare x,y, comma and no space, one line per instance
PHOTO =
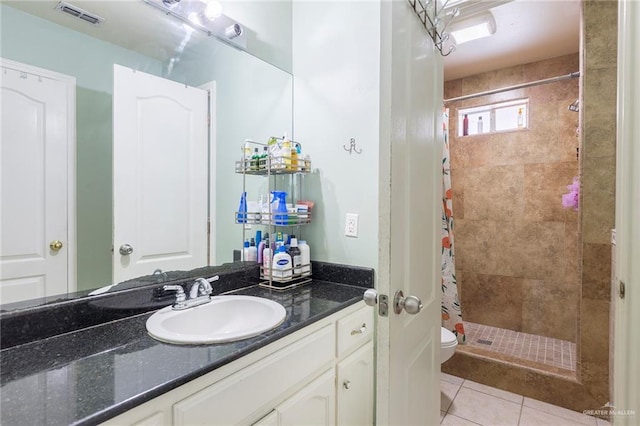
199,293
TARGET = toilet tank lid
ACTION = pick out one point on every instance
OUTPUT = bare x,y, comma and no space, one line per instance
447,336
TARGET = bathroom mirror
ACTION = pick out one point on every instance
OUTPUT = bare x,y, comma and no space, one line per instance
253,96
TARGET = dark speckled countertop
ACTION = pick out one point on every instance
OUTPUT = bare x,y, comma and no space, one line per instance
90,375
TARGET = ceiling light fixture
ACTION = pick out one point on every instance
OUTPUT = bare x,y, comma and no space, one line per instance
206,16
213,10
476,27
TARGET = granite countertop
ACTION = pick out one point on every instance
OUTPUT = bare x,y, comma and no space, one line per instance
90,375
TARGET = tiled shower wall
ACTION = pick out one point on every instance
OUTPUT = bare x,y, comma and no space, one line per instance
590,388
517,248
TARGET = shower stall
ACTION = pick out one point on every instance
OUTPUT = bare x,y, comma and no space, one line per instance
517,247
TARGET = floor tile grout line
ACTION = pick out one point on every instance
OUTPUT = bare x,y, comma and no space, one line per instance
454,398
495,396
521,410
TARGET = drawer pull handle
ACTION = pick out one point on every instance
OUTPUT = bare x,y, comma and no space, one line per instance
346,384
361,331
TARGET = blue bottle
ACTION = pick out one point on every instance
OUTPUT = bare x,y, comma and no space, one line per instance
280,215
242,209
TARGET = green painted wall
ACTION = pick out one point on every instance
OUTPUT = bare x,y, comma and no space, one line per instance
254,101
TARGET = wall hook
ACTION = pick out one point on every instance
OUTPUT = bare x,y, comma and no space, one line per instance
352,147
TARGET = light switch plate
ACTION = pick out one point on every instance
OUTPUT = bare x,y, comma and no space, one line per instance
351,225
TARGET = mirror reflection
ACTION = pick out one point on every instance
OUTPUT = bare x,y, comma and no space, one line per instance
72,62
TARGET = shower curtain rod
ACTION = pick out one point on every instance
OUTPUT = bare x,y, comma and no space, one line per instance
514,87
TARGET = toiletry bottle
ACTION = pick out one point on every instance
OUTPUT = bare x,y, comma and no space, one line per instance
261,246
520,118
242,209
296,257
286,152
281,264
253,251
246,156
258,240
465,125
307,163
266,257
245,251
262,164
275,154
294,157
480,125
279,207
305,256
255,159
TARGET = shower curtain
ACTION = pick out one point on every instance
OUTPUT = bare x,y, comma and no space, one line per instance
451,312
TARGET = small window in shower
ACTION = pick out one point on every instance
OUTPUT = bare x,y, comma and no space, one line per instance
499,117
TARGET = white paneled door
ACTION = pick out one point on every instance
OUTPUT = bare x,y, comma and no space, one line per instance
37,182
160,131
626,298
411,195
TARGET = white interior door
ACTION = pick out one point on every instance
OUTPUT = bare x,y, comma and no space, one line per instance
408,366
159,176
626,370
37,175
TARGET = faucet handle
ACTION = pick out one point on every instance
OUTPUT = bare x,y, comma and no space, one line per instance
180,295
204,288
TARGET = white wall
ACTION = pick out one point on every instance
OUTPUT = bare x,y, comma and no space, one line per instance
336,62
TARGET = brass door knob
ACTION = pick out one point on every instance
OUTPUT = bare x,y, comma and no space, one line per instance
55,245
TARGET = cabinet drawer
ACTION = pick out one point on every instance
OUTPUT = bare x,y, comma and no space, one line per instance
354,330
236,398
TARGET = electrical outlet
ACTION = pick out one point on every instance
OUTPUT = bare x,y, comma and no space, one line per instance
351,225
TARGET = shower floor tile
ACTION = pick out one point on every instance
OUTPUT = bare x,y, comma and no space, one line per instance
546,350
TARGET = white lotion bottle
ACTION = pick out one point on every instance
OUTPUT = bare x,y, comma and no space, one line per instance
282,266
305,256
253,252
245,251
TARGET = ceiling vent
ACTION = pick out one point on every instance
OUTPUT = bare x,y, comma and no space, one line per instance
79,13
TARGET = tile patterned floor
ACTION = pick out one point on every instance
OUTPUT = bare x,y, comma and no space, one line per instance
464,402
546,350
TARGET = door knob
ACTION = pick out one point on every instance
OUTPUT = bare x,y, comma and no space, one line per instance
370,297
411,304
55,245
126,249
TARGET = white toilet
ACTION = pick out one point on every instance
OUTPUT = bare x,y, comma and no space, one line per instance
448,344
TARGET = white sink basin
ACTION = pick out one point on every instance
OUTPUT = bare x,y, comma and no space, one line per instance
224,319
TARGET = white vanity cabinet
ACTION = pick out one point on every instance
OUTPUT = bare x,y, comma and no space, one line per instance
355,388
320,375
313,405
354,369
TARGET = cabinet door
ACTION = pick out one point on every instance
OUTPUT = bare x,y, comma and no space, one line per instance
313,405
355,388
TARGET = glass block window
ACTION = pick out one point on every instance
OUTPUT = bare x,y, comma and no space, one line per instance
499,117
